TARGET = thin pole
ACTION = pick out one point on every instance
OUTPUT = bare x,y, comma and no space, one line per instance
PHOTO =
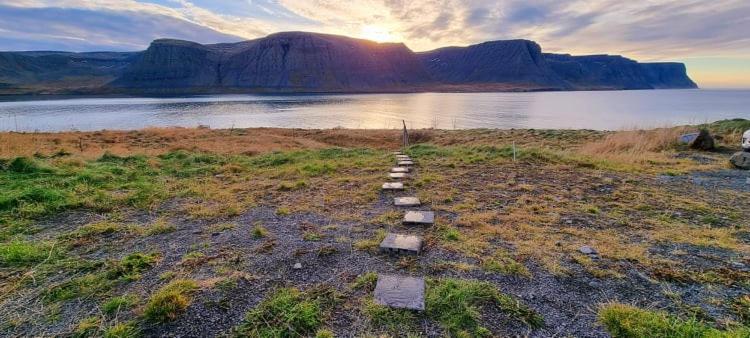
406,135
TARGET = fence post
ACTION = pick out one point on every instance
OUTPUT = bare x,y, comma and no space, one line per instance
406,135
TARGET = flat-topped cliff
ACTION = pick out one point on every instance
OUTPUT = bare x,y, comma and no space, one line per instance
312,62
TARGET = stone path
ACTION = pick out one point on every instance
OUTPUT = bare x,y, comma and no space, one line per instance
403,292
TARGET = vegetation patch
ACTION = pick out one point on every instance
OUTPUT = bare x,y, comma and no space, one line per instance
18,253
168,302
455,304
288,312
622,320
99,283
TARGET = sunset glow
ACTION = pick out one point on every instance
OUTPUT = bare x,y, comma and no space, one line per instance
668,30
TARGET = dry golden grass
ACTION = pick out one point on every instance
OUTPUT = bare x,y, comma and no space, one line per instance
155,141
635,142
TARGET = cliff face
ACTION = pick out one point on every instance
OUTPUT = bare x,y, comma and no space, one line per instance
51,72
617,72
168,64
662,75
280,62
310,62
317,62
512,61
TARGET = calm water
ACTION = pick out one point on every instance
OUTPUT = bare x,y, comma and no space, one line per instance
610,110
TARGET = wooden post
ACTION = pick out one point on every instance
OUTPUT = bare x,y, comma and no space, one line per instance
406,135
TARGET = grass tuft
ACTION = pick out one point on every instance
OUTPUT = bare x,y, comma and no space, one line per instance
455,304
169,301
286,313
19,253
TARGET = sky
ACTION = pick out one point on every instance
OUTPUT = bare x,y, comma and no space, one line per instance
712,37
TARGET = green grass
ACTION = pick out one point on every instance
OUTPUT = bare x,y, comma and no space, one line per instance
259,231
366,280
17,253
122,330
88,327
455,304
119,303
625,321
168,302
288,312
396,322
160,226
98,283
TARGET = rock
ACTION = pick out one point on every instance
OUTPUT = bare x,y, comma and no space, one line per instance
587,250
297,266
700,141
741,160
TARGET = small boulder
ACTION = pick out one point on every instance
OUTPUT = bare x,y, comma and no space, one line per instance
700,141
297,266
587,250
741,160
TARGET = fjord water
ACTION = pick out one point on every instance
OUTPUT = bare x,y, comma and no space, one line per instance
602,110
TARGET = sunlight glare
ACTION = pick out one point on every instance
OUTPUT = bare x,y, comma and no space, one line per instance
378,34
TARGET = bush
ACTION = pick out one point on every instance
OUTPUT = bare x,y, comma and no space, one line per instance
25,165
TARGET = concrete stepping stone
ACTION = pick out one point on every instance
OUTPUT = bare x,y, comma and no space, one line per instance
402,157
405,163
419,217
400,292
401,244
406,201
399,170
398,175
393,186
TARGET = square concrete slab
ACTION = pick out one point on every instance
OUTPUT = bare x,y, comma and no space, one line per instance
405,163
393,186
406,201
399,170
419,217
401,244
397,175
400,292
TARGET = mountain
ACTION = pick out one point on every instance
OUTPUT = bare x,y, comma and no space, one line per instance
48,72
518,62
617,72
284,62
311,62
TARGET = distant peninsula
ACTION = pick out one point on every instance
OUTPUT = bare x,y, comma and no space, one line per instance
302,62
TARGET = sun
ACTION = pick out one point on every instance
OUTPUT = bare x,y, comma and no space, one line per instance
378,34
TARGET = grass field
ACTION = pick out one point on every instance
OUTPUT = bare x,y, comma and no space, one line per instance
194,232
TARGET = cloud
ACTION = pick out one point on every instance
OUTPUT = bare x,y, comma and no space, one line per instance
643,29
86,30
